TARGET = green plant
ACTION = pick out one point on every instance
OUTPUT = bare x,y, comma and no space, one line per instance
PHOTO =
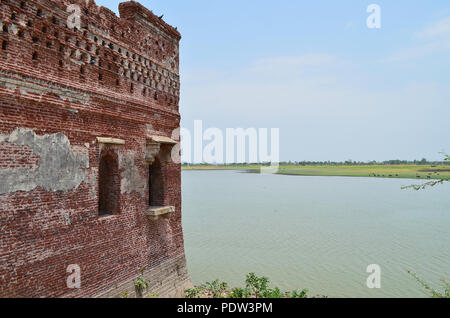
216,288
195,292
433,292
153,295
271,293
141,284
299,294
239,293
125,294
257,285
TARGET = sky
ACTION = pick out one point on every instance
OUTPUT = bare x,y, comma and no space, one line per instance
336,89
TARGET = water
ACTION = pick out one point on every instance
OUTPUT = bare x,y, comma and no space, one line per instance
318,233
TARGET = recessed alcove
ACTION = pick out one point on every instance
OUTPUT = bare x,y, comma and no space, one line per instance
158,154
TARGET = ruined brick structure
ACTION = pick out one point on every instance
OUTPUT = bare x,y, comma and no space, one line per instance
87,116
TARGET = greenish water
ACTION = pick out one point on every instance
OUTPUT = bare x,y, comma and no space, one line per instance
318,233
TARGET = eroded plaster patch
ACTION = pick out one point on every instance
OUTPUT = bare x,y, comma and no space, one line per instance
60,167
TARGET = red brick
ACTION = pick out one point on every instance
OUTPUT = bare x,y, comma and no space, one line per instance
62,92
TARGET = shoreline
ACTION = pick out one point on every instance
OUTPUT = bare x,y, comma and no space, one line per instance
413,172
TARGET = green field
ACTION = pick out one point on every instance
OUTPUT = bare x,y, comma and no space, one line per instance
419,172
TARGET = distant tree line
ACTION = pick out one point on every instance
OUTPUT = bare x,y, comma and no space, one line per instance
333,163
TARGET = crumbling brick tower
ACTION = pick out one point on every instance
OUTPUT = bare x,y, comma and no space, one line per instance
88,120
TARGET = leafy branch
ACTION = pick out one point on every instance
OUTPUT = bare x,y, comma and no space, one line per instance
430,184
423,186
433,292
447,157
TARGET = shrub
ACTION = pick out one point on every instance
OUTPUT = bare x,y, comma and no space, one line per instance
271,293
433,292
239,293
195,292
255,287
299,294
216,288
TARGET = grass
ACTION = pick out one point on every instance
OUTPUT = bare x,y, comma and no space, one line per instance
418,172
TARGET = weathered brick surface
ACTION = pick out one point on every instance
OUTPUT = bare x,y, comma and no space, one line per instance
16,157
60,89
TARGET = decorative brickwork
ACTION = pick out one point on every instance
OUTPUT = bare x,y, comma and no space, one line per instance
77,109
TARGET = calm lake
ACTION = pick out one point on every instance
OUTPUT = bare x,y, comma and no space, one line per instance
318,233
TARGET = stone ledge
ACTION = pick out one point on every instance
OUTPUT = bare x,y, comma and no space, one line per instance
157,212
161,140
111,141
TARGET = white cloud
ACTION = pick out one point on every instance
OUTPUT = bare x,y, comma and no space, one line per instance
289,62
432,39
325,107
414,52
283,84
309,85
440,28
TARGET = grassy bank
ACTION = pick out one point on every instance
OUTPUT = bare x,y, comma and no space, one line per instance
420,172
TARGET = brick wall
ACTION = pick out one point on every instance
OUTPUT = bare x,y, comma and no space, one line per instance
60,89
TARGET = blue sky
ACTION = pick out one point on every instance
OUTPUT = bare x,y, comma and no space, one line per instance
336,89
